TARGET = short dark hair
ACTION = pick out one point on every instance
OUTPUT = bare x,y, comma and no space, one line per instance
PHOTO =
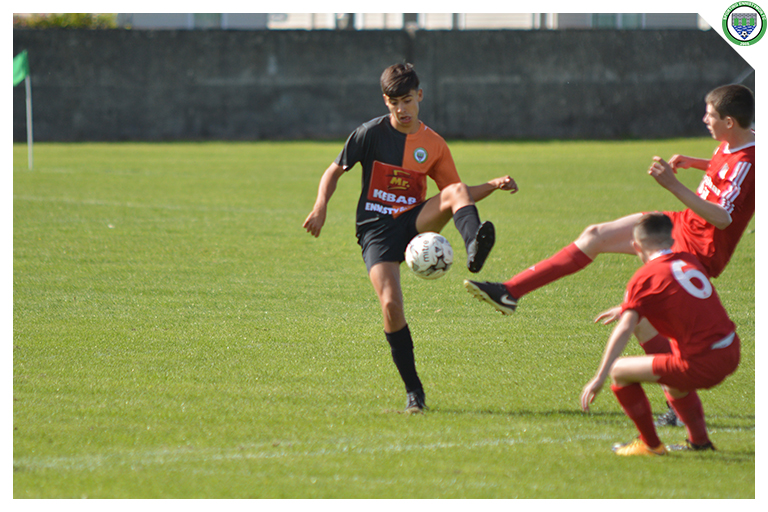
398,80
654,230
734,100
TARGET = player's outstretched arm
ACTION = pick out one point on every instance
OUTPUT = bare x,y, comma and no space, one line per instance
480,192
687,162
316,218
713,213
613,349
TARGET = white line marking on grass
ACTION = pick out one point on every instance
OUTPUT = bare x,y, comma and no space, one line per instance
115,204
282,450
261,451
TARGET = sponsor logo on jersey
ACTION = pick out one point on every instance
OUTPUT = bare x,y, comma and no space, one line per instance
707,187
386,210
393,189
391,198
399,180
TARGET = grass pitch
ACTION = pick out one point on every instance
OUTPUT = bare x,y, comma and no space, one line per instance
177,334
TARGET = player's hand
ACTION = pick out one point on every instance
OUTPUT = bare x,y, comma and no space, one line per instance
679,162
506,183
609,315
589,393
662,172
314,221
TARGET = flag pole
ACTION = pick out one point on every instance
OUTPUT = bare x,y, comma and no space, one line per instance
28,86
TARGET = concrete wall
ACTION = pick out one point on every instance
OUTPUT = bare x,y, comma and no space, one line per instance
247,85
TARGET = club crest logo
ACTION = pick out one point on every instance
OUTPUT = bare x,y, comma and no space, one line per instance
744,23
420,155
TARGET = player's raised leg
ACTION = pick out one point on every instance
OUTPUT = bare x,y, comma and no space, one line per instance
608,237
385,277
456,201
495,294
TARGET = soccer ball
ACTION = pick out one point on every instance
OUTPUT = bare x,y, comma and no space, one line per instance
429,255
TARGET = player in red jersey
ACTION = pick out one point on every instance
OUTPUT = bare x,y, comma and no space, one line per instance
673,293
397,153
710,227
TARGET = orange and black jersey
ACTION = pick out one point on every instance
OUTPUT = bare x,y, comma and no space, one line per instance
395,167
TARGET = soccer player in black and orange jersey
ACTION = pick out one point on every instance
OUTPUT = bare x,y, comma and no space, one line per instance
397,153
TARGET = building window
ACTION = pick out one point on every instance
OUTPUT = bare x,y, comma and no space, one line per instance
410,20
630,21
207,20
613,20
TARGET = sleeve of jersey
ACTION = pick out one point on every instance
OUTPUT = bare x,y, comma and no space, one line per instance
352,152
445,169
638,290
736,177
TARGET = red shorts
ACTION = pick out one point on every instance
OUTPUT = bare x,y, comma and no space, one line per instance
699,372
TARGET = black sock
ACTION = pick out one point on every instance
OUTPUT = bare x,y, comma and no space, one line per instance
402,354
467,221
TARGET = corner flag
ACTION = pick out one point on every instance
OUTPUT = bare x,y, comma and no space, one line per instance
21,72
20,68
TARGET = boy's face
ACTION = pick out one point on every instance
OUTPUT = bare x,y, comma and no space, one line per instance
404,110
716,125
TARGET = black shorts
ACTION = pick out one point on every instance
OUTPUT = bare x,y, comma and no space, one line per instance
385,239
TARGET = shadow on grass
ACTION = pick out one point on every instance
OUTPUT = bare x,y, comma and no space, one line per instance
742,422
735,422
528,414
729,422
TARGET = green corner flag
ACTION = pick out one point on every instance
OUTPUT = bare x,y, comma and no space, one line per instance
20,68
21,74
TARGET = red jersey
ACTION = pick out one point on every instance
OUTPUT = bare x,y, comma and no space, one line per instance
674,294
729,182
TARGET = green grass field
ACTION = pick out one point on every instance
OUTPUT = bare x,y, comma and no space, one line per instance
177,334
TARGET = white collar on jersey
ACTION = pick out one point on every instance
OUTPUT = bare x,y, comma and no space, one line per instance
728,150
659,253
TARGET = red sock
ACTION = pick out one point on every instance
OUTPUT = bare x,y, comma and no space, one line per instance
636,405
691,412
570,259
657,345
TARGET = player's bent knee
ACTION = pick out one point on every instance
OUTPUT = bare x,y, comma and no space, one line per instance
629,370
622,372
590,234
600,238
675,393
589,240
455,192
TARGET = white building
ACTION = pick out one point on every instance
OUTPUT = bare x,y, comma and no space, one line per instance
399,21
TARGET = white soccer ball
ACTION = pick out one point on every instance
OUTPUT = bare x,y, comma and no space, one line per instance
429,255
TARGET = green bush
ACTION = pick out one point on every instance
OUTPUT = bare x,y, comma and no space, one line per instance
66,20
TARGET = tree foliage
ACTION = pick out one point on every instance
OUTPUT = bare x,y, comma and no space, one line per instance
65,20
